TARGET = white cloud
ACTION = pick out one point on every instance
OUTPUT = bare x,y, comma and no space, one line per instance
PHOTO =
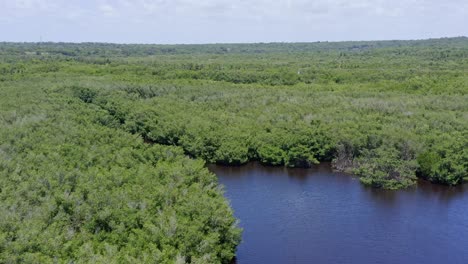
108,10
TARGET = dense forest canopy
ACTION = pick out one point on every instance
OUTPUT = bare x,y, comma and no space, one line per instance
102,146
136,50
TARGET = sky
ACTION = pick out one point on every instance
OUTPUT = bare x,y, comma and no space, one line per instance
229,21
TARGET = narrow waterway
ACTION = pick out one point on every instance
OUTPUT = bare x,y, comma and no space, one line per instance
319,216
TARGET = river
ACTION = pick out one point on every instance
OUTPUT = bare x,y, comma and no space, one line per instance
320,216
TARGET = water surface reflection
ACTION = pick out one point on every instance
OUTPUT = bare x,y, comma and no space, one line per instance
319,216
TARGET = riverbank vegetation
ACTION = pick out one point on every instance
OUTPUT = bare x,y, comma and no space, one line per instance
75,188
79,182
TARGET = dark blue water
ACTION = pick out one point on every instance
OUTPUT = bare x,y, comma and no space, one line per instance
318,216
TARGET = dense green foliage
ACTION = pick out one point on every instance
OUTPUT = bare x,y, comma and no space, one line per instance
78,180
73,190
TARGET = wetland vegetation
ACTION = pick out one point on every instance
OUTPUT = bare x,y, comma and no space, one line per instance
79,181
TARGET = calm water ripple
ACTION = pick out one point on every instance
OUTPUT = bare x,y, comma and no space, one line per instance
319,216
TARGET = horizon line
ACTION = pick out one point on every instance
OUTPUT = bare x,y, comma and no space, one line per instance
227,43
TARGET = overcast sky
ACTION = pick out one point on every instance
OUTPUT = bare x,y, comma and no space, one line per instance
221,21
